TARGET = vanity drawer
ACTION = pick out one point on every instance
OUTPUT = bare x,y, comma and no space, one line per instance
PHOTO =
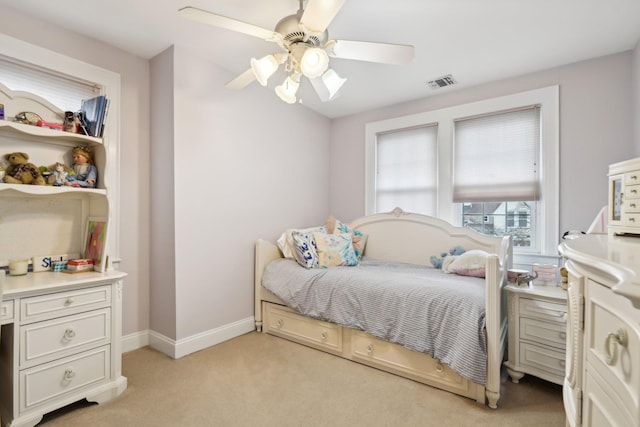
547,333
631,219
44,341
543,310
53,381
284,322
7,310
45,307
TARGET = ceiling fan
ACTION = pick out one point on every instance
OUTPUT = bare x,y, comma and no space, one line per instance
306,49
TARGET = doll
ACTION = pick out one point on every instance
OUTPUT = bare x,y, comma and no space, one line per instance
86,173
59,175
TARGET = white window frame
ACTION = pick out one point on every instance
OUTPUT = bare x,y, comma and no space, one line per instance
109,81
547,98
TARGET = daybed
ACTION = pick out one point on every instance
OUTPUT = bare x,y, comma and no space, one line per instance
408,238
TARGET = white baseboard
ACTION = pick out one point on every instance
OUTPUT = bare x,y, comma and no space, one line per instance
177,349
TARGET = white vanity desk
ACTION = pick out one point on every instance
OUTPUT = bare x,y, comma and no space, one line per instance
602,381
60,342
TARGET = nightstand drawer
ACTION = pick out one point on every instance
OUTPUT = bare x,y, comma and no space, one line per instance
55,380
543,310
543,359
44,341
547,333
64,303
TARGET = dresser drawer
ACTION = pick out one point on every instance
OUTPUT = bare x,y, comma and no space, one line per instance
6,310
613,343
63,303
543,310
53,381
52,339
547,333
284,322
543,359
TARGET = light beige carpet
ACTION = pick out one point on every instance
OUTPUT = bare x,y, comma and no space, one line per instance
261,380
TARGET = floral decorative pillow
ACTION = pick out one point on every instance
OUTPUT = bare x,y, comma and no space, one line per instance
471,263
285,241
358,238
334,250
305,251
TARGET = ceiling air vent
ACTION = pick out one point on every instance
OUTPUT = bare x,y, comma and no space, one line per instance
444,81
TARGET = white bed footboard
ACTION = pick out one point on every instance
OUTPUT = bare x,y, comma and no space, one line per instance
413,238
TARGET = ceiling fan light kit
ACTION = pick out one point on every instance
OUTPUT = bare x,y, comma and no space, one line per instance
305,40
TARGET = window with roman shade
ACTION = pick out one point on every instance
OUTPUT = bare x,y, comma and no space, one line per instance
496,157
406,170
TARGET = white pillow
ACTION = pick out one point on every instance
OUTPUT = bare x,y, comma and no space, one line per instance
285,241
471,263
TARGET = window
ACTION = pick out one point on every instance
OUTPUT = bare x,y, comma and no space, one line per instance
406,170
478,183
495,177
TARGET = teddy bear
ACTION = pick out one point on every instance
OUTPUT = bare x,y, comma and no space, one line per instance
454,251
20,171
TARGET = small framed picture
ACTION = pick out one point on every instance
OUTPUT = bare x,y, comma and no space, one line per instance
95,245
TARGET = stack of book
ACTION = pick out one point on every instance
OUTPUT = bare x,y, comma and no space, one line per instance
93,113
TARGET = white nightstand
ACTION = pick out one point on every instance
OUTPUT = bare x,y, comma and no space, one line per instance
537,332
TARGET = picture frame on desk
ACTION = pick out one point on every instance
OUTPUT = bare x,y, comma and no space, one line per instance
95,242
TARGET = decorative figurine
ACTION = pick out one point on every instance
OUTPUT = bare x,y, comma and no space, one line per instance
86,173
59,175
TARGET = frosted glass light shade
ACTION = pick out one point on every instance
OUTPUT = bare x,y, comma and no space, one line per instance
264,68
314,62
333,82
287,90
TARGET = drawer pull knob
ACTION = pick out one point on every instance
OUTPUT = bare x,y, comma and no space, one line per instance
370,349
562,363
68,376
324,335
634,177
632,219
632,205
69,334
68,301
564,317
634,191
279,323
563,335
619,338
439,368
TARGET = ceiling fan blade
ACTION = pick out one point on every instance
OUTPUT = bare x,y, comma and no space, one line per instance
220,21
241,81
384,53
319,13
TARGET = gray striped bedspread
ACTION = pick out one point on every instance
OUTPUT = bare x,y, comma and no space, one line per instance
418,307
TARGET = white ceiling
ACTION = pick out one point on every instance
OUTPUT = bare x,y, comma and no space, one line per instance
476,41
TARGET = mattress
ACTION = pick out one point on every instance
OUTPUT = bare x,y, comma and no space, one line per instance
418,307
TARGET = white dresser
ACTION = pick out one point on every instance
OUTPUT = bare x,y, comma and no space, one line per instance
602,381
537,332
60,342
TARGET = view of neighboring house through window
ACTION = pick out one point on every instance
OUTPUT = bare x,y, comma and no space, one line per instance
489,165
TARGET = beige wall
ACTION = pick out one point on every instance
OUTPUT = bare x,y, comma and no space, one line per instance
595,130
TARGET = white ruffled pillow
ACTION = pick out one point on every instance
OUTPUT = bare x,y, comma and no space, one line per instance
471,263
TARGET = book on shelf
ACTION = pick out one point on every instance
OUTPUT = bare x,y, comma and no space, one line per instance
93,113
